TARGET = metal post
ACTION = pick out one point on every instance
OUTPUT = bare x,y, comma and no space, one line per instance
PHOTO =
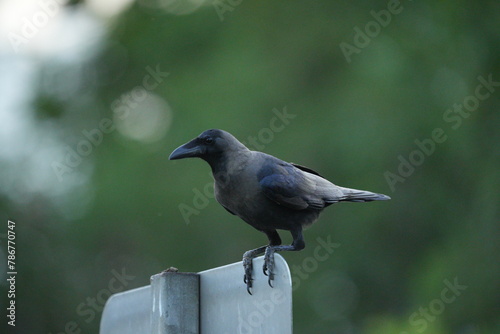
176,303
214,301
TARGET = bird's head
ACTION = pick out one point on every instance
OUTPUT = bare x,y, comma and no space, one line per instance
209,145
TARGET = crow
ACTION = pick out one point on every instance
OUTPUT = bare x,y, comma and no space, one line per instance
266,192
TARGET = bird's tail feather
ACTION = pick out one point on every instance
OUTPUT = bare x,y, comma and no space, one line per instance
355,195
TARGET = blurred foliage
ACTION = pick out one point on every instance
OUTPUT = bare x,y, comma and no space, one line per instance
119,207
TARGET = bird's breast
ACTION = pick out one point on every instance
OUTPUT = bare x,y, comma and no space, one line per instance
239,192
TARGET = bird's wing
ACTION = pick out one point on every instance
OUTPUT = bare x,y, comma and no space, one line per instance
291,187
306,169
331,193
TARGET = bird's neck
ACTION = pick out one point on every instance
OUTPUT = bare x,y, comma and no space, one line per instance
229,164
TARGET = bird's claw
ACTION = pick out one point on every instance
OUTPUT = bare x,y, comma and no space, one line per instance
247,278
270,282
268,267
249,289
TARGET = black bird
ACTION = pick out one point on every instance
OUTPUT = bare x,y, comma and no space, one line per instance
266,192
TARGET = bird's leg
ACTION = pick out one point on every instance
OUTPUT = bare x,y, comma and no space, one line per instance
274,240
247,265
297,244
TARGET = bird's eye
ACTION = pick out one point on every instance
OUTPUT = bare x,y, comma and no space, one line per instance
208,140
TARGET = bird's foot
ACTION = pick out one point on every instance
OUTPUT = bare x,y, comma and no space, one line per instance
247,277
268,267
247,265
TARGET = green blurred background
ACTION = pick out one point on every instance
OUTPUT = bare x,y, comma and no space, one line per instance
115,205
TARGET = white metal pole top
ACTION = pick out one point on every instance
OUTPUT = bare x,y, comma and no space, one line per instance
214,301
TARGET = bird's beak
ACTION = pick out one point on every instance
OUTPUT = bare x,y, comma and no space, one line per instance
188,150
